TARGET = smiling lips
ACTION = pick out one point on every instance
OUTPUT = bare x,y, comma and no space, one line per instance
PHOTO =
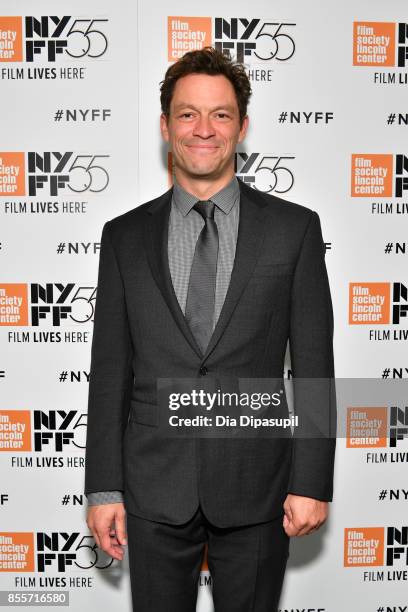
203,147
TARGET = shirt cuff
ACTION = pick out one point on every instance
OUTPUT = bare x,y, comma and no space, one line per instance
104,497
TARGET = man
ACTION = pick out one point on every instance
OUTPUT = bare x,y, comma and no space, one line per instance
211,279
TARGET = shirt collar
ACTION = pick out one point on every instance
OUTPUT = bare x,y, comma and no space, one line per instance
224,199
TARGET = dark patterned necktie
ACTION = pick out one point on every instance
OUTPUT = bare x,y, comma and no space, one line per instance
200,303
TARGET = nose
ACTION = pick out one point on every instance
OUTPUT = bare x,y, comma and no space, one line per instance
203,127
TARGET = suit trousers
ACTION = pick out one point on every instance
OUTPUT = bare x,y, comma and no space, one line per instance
247,564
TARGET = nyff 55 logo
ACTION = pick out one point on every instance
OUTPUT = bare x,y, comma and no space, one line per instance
51,172
48,37
55,550
50,303
39,430
266,173
246,40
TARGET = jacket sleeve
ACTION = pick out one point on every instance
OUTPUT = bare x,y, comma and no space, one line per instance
312,363
110,378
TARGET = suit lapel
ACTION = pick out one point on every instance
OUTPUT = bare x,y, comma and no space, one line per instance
251,230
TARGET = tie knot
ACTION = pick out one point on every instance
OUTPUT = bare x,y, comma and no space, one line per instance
205,208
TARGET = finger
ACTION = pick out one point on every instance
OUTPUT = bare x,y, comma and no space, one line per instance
291,529
287,517
310,532
312,528
107,545
96,537
115,544
304,529
112,535
113,539
117,551
120,526
288,511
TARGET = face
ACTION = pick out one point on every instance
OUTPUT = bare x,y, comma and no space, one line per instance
203,127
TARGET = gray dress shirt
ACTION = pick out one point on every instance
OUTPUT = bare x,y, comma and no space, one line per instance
185,226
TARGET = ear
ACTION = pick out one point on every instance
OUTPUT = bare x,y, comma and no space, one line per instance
164,127
243,129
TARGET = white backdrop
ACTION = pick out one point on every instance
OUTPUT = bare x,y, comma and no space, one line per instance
63,174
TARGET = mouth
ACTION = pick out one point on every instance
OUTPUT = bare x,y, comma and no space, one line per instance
203,148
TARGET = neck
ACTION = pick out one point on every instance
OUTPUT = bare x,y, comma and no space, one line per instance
203,188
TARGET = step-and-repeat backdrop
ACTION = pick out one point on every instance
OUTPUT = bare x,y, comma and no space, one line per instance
80,144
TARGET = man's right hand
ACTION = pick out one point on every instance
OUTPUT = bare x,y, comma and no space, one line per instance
108,525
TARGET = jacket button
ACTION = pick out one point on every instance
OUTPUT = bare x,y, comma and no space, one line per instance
203,370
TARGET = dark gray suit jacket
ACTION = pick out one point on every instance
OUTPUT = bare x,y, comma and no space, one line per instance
279,291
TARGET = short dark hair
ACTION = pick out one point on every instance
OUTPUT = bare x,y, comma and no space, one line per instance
207,61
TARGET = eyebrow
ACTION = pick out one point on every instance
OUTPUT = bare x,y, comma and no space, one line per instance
181,105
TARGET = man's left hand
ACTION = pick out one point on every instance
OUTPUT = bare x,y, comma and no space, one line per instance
303,515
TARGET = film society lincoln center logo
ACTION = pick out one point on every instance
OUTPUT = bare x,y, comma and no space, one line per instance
247,40
373,426
377,546
378,174
378,304
380,44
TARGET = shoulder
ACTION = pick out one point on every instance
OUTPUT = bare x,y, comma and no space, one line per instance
131,220
286,211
